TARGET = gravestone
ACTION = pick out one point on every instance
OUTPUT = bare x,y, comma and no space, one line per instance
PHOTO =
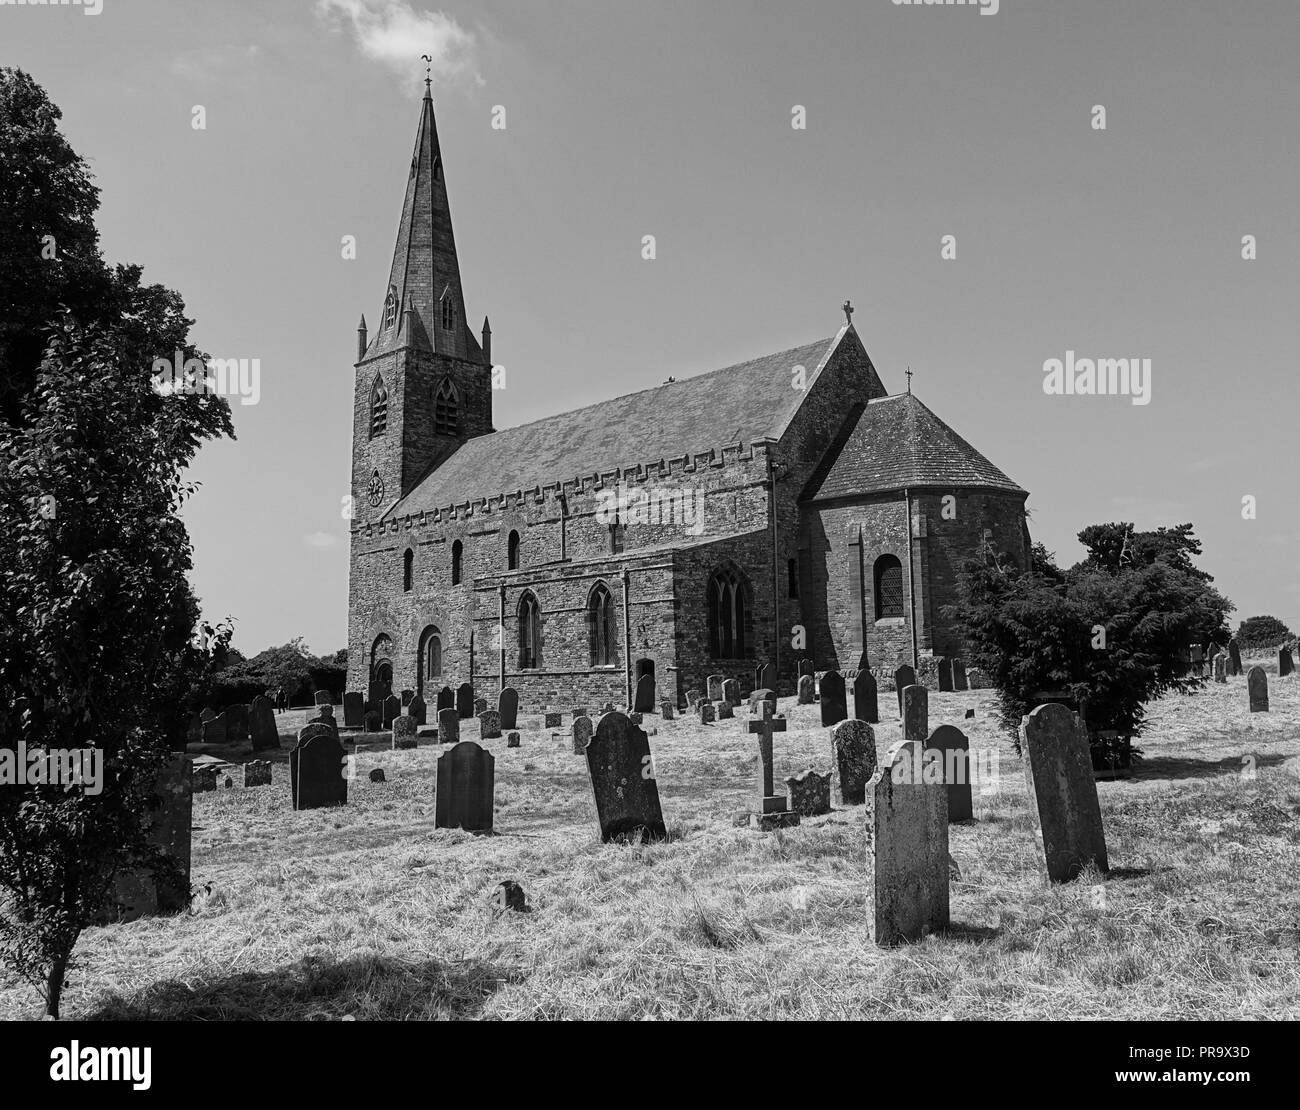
237,724
465,790
257,773
731,692
707,713
757,698
916,714
1234,654
1221,668
853,747
713,687
959,679
316,769
322,697
214,731
582,732
765,678
508,707
667,710
806,667
623,783
644,701
377,775
448,726
480,706
834,704
1257,685
325,716
1285,664
954,748
945,675
552,720
446,699
465,701
772,812
1063,792
725,710
809,793
904,677
489,725
865,705
417,710
374,721
354,710
404,729
512,739
261,724
142,892
807,689
908,868
407,695
391,708
204,777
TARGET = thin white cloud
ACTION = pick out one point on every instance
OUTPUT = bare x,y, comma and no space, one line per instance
396,34
320,539
207,62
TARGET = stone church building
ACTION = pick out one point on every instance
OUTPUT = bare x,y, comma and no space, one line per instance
703,525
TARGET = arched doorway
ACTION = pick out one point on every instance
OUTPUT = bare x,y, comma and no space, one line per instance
381,669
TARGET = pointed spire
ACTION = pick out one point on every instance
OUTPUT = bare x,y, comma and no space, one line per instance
361,338
487,341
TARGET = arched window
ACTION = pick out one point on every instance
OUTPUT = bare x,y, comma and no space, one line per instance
888,576
728,607
792,578
616,536
602,627
512,551
378,408
430,658
446,410
457,550
530,633
390,308
448,311
408,569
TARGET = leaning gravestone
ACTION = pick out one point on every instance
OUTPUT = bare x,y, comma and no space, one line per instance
1285,664
143,892
731,692
391,710
262,728
904,677
214,731
237,724
257,772
582,732
945,675
834,705
853,746
865,706
417,710
508,707
1257,685
446,699
316,765
713,687
908,868
1221,668
489,725
623,782
807,689
954,748
465,701
809,793
1234,653
322,697
465,790
354,710
404,730
1063,792
765,679
448,726
959,679
644,701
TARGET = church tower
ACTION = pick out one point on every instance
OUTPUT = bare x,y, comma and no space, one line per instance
423,382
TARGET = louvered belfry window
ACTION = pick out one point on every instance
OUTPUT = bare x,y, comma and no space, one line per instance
378,409
446,410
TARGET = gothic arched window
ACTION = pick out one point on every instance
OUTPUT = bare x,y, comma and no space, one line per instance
512,551
728,609
390,308
446,409
530,633
457,550
408,570
448,311
602,627
378,408
888,575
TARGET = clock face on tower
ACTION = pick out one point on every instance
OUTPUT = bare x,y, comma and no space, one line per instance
376,488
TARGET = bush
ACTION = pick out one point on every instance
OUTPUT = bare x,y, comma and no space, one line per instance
1262,633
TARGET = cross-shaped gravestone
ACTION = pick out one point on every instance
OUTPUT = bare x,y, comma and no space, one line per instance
772,813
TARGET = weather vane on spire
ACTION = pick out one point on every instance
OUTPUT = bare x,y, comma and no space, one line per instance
427,59
909,378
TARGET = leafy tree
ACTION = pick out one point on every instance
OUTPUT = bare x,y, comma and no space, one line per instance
1263,632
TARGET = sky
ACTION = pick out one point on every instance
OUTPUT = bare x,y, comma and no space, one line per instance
628,118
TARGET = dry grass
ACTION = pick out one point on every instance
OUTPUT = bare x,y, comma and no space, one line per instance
370,912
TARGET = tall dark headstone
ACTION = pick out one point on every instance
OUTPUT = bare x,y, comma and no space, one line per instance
466,781
731,692
1257,685
1063,792
391,710
1234,653
959,679
865,707
623,781
953,747
317,768
945,675
834,703
1285,664
916,715
508,707
446,698
806,667
407,695
904,677
465,701
766,677
354,709
644,702
807,690
261,724
417,710
448,726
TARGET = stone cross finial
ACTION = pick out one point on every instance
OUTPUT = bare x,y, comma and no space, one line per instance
909,379
848,312
764,729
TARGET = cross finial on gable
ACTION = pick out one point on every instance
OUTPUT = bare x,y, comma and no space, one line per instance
847,306
909,379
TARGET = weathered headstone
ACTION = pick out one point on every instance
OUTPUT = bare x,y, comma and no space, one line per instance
1063,792
322,697
377,775
916,714
489,725
316,768
1257,685
865,706
667,710
508,707
552,720
465,701
448,726
726,710
143,892
623,782
807,689
1221,668
713,687
582,732
772,812
644,701
904,677
1234,653
959,679
908,868
480,706
834,704
806,667
708,714
404,730
354,709
204,777
446,698
407,695
262,728
374,721
944,669
756,700
953,747
1285,664
512,739
731,692
257,773
391,709
853,745
809,793
465,790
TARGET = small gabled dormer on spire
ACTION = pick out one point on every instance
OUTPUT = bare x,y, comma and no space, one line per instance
361,338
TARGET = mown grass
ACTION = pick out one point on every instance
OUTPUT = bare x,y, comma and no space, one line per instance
368,911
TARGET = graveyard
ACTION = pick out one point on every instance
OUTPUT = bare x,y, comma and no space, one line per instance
368,910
